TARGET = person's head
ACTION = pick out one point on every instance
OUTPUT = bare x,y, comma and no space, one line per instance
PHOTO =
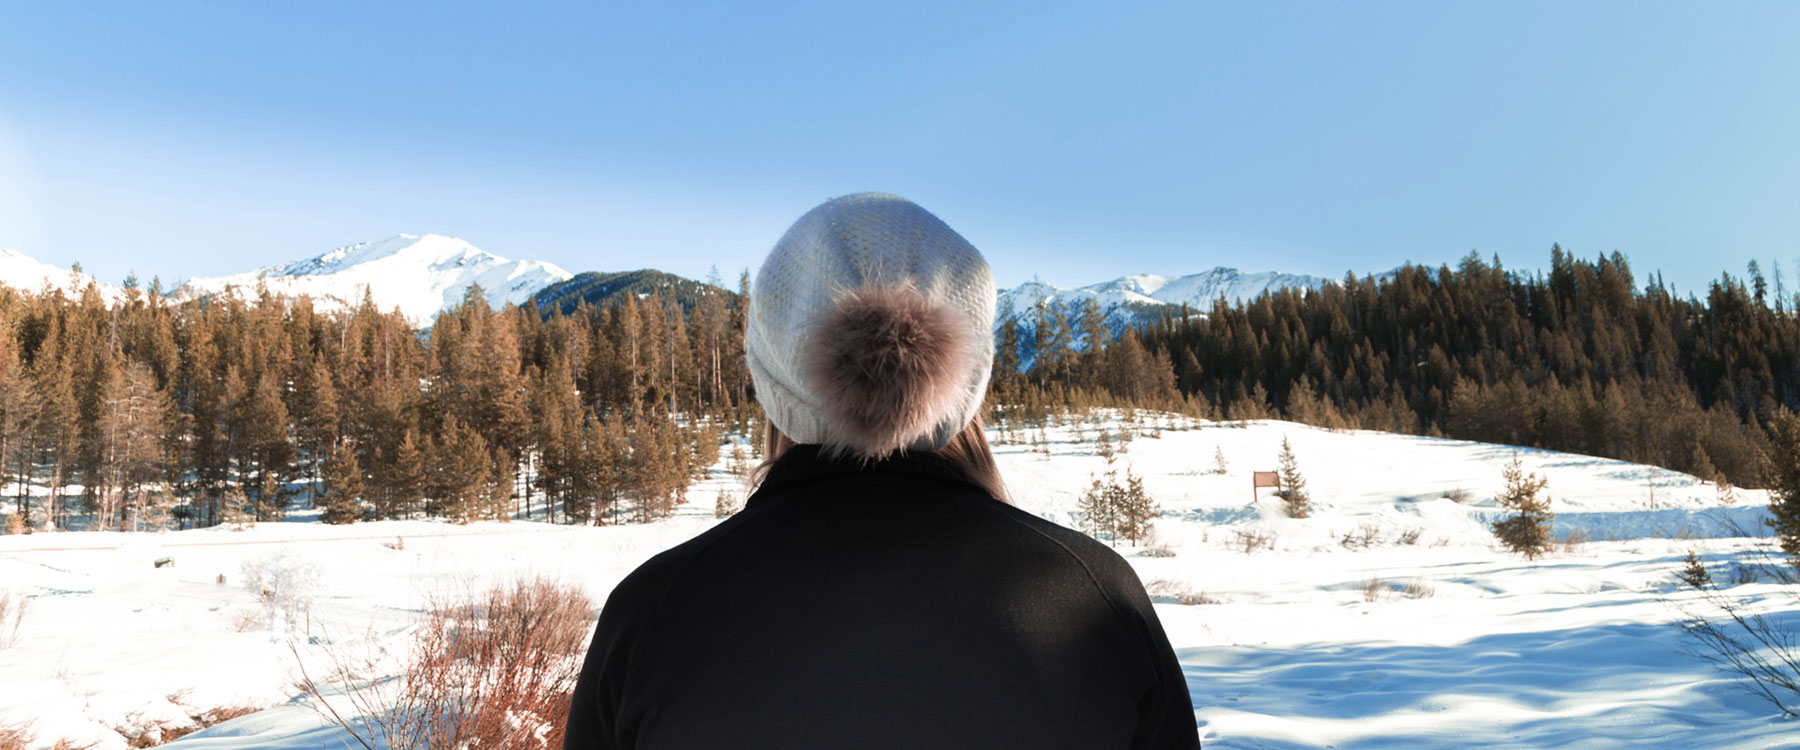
869,332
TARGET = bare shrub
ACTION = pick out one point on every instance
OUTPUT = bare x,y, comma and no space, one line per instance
21,735
1374,589
1251,540
1763,653
223,714
494,669
1460,496
1179,593
171,732
1723,629
16,736
1365,535
283,584
1411,536
1159,550
1573,541
12,614
138,735
1418,589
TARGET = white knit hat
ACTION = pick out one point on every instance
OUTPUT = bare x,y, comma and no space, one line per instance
870,328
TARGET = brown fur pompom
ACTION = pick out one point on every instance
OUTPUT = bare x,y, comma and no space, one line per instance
887,365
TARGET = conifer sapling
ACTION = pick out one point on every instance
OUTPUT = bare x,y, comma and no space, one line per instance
1293,485
1527,530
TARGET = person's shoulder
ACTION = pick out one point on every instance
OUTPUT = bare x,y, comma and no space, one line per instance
652,579
1110,572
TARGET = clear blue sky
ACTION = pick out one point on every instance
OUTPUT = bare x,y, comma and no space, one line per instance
1074,141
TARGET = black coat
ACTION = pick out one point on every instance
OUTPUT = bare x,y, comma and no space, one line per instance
892,605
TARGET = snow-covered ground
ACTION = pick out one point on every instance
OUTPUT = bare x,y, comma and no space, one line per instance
1462,645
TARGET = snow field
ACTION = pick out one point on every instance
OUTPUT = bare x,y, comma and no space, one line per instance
1295,647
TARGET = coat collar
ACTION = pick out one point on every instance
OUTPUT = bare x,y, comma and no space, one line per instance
804,464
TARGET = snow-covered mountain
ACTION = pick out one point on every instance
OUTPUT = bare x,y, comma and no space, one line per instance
1131,298
419,274
30,275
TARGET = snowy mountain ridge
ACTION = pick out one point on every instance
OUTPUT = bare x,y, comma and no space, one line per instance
418,274
1129,299
424,274
30,275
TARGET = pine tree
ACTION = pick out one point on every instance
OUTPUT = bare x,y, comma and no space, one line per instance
556,408
1098,510
1091,322
606,464
133,416
1693,573
726,504
406,478
1527,530
201,391
234,508
1137,510
1293,485
16,411
55,433
1219,465
1700,464
343,485
318,417
262,426
1781,472
655,474
497,501
460,471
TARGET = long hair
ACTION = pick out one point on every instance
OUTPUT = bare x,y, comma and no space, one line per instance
968,450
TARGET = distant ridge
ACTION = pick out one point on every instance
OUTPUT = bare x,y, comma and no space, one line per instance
30,276
600,290
1130,299
418,274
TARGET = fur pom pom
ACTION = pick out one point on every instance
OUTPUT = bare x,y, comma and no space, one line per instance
887,365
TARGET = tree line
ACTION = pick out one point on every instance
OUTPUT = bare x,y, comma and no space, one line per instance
149,412
1580,359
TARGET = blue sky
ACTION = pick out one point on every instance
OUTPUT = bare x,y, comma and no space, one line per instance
1073,141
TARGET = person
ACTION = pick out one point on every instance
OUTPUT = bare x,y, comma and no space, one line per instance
877,590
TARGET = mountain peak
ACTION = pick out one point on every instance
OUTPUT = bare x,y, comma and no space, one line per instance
419,274
1129,299
431,250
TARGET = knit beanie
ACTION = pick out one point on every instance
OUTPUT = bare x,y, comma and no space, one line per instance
870,328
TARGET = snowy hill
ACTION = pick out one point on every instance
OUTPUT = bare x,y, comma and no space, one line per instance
1128,299
601,290
29,275
419,274
1388,619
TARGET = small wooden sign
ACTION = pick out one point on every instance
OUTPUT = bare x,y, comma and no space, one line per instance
1261,479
